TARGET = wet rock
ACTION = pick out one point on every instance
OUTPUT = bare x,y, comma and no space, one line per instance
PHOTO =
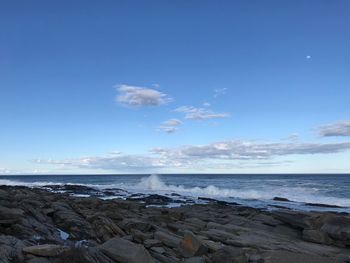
281,199
46,250
124,251
153,199
323,205
191,245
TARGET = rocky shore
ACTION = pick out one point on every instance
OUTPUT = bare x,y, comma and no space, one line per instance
39,226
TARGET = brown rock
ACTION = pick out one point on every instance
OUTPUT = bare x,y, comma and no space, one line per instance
191,246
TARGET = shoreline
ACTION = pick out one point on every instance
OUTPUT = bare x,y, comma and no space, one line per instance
39,226
302,200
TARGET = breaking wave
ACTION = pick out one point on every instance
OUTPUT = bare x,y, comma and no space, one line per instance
153,183
227,189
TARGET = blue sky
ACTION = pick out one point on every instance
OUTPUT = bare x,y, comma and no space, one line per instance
174,86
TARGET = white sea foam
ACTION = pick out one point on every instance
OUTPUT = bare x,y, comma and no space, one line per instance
249,190
153,183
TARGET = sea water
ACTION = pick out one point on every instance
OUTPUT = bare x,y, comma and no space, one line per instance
257,190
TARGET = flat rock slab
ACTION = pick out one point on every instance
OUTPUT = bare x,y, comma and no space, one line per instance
46,250
124,251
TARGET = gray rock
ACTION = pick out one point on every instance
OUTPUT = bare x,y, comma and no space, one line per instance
124,251
194,260
159,250
338,228
152,243
168,239
191,246
316,236
229,255
46,250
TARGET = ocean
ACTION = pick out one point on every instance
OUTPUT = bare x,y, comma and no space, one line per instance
256,190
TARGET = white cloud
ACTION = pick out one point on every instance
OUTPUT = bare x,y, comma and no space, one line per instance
250,150
206,104
140,96
193,113
6,171
340,128
227,154
170,126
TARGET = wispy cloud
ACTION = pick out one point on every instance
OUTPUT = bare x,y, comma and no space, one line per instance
170,126
140,96
236,153
5,171
193,113
340,128
219,92
250,150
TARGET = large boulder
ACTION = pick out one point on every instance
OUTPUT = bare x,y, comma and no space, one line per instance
124,251
316,236
338,228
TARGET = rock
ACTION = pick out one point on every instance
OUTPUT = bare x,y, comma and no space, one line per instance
105,228
159,250
289,257
153,199
323,205
230,255
13,214
316,236
281,199
167,239
152,243
46,250
213,246
227,227
194,260
10,249
191,246
338,228
256,258
38,260
133,223
124,251
139,236
296,219
164,259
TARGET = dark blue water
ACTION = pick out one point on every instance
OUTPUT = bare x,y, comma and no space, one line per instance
255,190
